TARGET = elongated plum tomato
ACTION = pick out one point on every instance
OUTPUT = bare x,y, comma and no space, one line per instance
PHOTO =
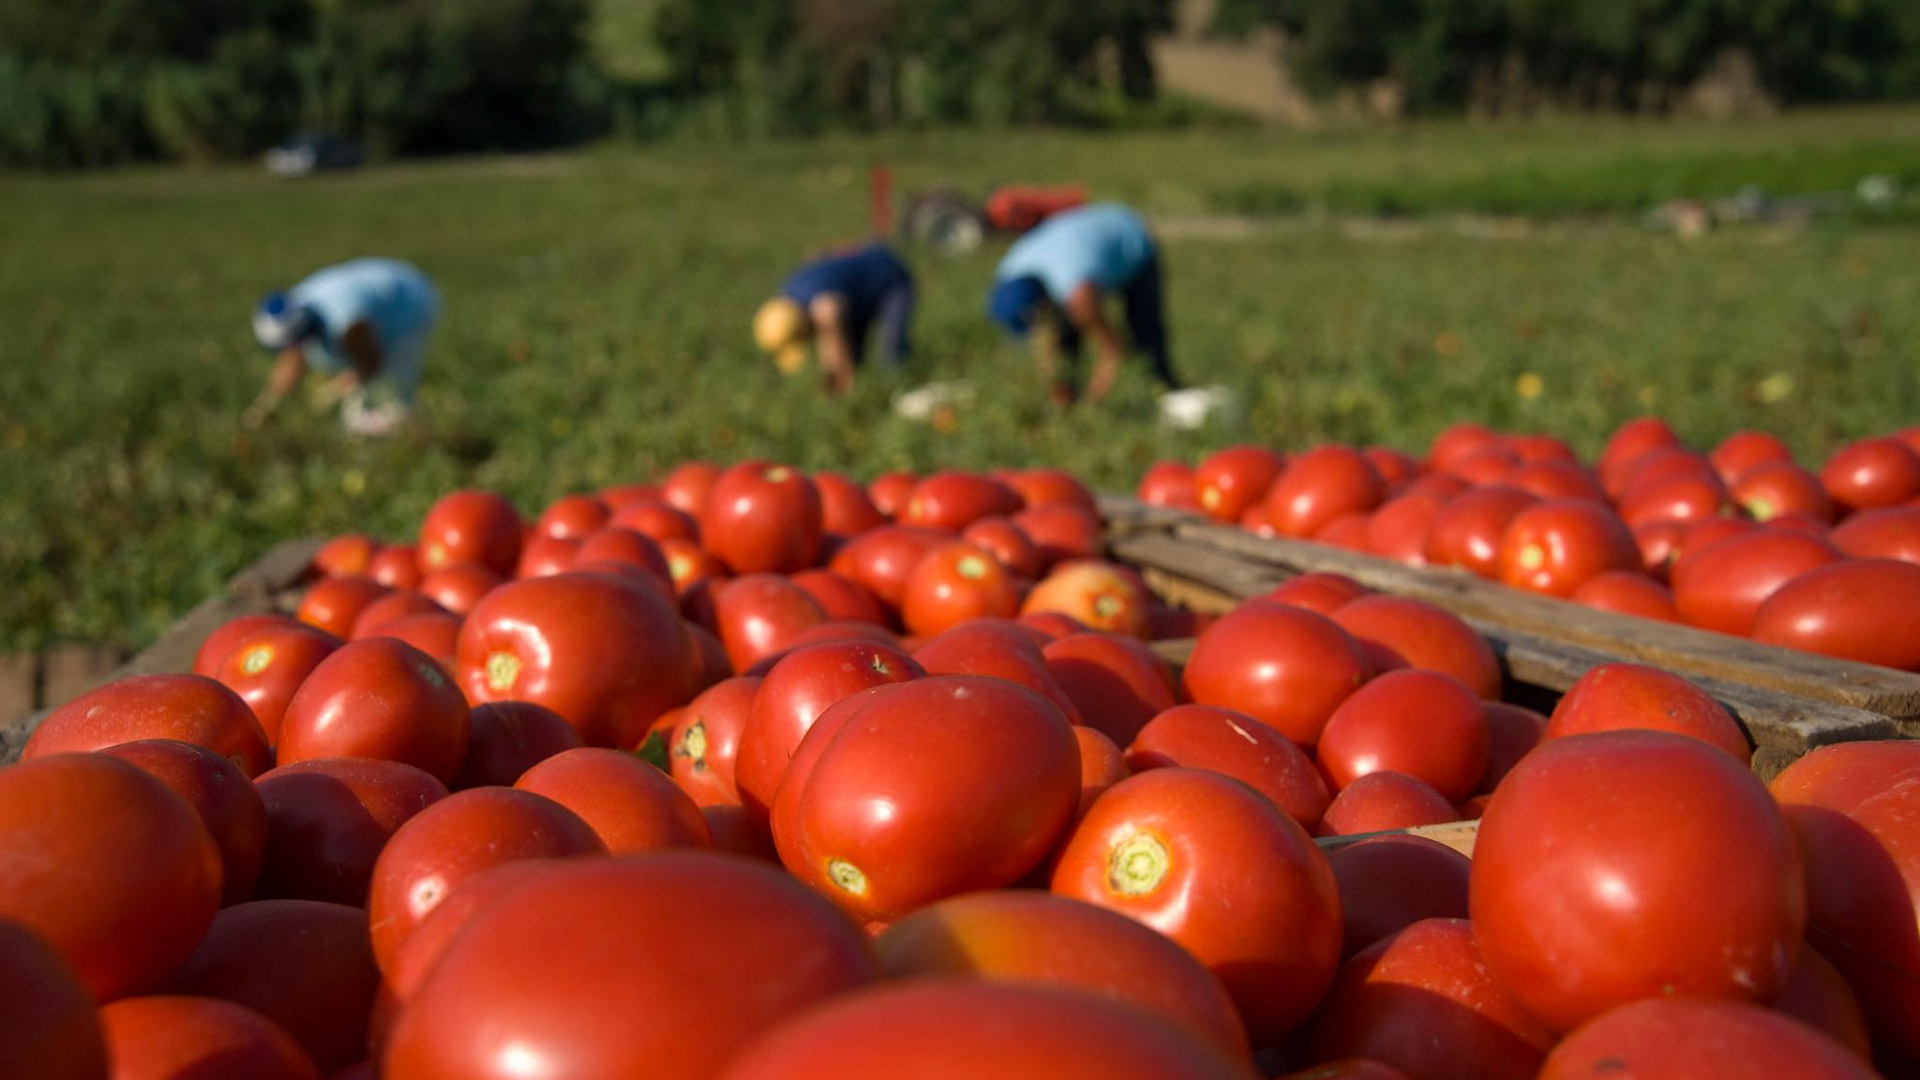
758,616
471,526
49,1029
1231,480
158,1038
1169,483
1680,1038
1380,801
1860,609
1458,442
1634,697
1555,480
954,500
1062,532
1388,883
397,566
762,517
1583,827
1321,485
688,487
1230,743
228,634
1398,529
607,654
1554,546
1102,596
187,708
333,604
954,583
656,520
1629,442
267,667
328,820
378,698
947,784
845,507
344,555
458,587
1214,866
1318,591
1040,939
1045,487
1743,450
1872,473
1005,541
108,866
1721,587
1286,667
391,608
572,517
1774,488
800,687
571,975
840,597
1427,637
631,805
890,492
226,801
1117,684
1892,533
998,649
1422,724
882,559
1627,592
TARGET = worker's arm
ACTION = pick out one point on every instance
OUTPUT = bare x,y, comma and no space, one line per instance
1084,310
289,368
828,312
1045,339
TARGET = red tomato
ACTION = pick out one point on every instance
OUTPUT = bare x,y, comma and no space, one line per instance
1062,532
945,785
1169,483
1721,587
165,1038
1628,592
459,587
1629,442
1634,697
705,743
834,630
1349,1069
1872,473
998,649
572,517
1230,743
882,559
1555,480
619,495
689,486
1743,450
459,836
689,565
378,698
1381,801
1467,530
1426,637
1532,448
1321,592
1684,498
1231,481
1585,828
657,521
1393,466
1101,765
226,802
1554,546
954,500
1704,534
1437,484
1388,883
1512,733
1423,1000
954,583
626,547
1256,522
1006,542
629,803
509,737
1685,1038
1214,866
1660,542
328,820
1117,684
758,615
891,490
1422,724
1890,533
1818,995
1287,667
1102,596
437,635
397,566
607,654
1459,441
334,603
345,556
108,866
188,708
1483,467
845,508
1036,939
573,971
1398,530
1860,609
1775,488
544,556
49,1029
1660,465
230,633
840,597
471,526
303,964
383,612
1044,487
763,517
1321,485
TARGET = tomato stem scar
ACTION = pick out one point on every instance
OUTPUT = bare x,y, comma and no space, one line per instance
503,669
847,876
1137,865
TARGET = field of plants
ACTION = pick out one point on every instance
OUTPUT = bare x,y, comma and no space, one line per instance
597,305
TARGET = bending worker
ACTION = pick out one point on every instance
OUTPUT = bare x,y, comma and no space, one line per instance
1053,282
365,324
831,303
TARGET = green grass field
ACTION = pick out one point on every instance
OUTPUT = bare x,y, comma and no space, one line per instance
597,306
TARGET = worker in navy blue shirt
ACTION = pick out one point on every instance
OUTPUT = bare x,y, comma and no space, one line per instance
1054,281
831,304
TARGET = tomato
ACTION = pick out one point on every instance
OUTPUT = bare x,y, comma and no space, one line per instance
1555,480
1634,697
1321,592
1102,596
1628,443
758,615
188,708
882,559
1005,541
1627,592
457,837
1460,441
689,487
1393,466
946,784
619,495
1045,487
1742,451
1256,522
390,608
1685,1038
1426,637
572,517
1661,465
221,641
954,500
657,521
845,508
1702,535
303,964
544,556
1211,864
629,803
627,547
328,820
1062,532
572,973
704,744
436,634
1287,667
1556,545
1388,883
1483,467
1398,530
607,654
1861,609
834,630
953,583
506,738
1684,498
1467,530
1533,448
1721,587
891,490
397,566
1101,765
1321,485
334,603
48,1027
1230,481
459,587
344,556
1422,724
762,517
1890,533
220,794
1771,489
1818,995
165,1038
1233,744
1116,684
1036,939
1349,1069
690,565
1585,828
1423,1001
1380,801
1660,543
998,649
378,698
1169,483
471,526
840,597
1512,733
1872,473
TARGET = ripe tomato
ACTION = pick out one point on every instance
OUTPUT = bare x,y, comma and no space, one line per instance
626,547
1255,521
1102,596
998,649
1393,466
506,738
1628,443
1349,1069
334,603
891,490
1230,481
1101,765
1775,488
1743,450
840,597
1513,731
459,587
1426,637
1117,684
397,566
1388,883
383,612
954,583
49,1029
328,820
1422,724
571,971
1682,1038
471,526
1660,543
1491,465
845,508
1555,480
1322,592
832,630
1423,1000
631,805
230,633
1380,801
1721,587
1872,473
1230,743
762,517
572,517
437,635
882,559
1321,485
954,500
1555,546
1663,464
1044,487
226,802
1005,541
378,698
1169,483
1818,995
1037,939
1214,866
1467,530
704,743
1860,609
544,556
1627,592
689,486
1534,448
188,708
459,836
1062,532
607,654
162,1038
945,785
1680,498
1287,667
690,565
656,520
1398,530
346,555
1634,697
1890,533
1459,441
1585,828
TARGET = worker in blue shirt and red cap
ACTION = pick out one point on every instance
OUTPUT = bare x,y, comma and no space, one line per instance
830,305
1052,285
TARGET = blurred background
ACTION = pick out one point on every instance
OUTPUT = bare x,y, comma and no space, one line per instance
1379,217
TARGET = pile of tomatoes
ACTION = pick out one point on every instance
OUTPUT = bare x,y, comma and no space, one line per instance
758,774
1740,540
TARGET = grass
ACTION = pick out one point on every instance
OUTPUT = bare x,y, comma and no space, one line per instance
597,308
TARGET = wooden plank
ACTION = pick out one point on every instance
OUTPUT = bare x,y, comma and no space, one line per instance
1125,515
72,670
1458,835
19,684
1684,649
1220,571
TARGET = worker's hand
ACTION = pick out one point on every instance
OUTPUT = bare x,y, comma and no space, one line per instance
335,390
1105,372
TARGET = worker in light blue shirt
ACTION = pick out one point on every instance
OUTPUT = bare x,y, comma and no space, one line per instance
1053,282
363,323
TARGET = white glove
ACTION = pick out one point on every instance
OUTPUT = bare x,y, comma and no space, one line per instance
360,419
